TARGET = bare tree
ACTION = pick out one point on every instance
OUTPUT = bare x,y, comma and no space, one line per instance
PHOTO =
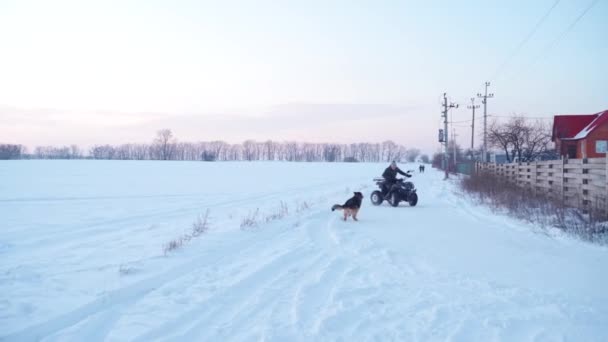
499,137
9,151
164,144
218,148
331,153
249,150
141,152
455,157
165,147
389,151
102,152
75,152
52,152
537,141
519,139
411,154
291,151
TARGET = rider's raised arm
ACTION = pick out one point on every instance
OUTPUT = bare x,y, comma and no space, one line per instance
403,173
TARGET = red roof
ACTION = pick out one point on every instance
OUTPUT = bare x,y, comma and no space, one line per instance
568,126
600,119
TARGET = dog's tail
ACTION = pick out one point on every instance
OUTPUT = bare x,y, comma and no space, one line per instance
336,206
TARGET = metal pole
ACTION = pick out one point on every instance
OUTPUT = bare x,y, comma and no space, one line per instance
485,124
473,130
473,106
445,126
454,143
446,132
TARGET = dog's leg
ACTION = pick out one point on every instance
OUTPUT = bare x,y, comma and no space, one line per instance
345,214
355,215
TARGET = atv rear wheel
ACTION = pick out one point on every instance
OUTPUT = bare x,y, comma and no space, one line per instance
394,200
413,199
376,197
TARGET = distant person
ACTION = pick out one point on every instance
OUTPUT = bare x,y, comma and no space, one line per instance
390,178
421,168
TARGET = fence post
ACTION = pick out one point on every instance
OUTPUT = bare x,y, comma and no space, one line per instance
585,204
533,180
518,177
564,162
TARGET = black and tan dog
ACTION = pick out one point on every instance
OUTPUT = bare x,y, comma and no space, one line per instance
351,207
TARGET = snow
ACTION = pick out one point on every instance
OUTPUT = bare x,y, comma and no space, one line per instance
592,125
81,259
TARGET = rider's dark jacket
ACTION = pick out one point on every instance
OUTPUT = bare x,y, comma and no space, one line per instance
390,175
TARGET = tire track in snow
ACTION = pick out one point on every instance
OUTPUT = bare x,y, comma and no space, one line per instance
114,301
191,324
91,232
269,296
118,299
273,305
314,300
245,315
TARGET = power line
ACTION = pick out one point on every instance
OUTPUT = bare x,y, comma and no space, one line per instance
559,38
453,122
526,39
524,117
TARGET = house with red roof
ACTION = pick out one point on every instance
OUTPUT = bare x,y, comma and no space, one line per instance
581,136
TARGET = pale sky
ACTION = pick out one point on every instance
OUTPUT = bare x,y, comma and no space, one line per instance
90,72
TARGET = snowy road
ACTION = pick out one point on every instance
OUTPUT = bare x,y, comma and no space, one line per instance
81,259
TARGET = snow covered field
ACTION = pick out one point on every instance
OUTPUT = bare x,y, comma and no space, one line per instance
81,259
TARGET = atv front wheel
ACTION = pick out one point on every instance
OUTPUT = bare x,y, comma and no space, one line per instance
413,199
376,197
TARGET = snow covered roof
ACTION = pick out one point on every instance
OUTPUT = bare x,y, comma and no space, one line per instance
601,118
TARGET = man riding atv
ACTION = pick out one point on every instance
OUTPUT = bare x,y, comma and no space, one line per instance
390,178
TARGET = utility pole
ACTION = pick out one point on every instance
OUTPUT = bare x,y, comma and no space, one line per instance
454,135
485,97
445,132
473,106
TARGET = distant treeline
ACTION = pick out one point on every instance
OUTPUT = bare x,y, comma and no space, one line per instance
8,151
165,147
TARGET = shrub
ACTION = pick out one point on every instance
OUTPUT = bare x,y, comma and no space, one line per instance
199,227
208,156
279,213
251,220
500,195
302,206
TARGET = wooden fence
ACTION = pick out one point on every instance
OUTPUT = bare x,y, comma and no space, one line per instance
580,183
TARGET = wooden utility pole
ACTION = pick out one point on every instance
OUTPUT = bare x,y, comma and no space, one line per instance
473,106
485,98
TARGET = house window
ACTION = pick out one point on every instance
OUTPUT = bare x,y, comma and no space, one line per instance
601,146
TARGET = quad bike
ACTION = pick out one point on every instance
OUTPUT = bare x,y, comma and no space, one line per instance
401,191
